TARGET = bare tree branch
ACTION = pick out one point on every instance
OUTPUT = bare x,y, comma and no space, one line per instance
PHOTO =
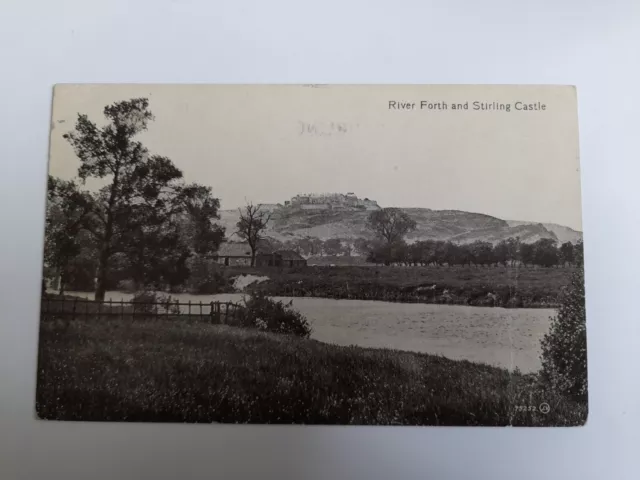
251,226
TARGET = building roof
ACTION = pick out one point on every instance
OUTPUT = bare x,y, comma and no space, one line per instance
289,255
234,250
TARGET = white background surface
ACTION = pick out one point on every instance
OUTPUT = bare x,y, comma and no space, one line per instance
591,44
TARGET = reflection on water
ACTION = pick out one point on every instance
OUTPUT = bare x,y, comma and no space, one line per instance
507,338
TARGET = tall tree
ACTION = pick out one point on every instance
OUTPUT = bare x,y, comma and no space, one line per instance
388,253
251,226
164,233
578,252
134,213
482,252
527,252
363,246
466,256
545,252
200,207
501,252
454,254
111,152
566,252
68,209
423,252
513,247
564,347
390,225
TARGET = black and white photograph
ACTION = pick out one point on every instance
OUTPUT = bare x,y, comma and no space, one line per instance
313,254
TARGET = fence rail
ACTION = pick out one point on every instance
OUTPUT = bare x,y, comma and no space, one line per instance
79,308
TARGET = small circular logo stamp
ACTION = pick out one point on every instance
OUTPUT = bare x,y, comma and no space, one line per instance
544,408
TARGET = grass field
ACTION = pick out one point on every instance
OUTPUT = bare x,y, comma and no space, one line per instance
167,370
510,287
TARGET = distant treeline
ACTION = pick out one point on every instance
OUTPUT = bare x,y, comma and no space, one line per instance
544,253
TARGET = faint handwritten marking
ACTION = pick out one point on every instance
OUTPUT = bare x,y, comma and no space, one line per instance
323,129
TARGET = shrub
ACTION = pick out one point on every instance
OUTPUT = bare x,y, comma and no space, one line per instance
564,348
147,302
206,277
275,316
126,286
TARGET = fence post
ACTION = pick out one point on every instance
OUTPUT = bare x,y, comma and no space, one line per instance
110,306
226,313
121,309
211,312
86,310
99,308
189,309
200,318
73,313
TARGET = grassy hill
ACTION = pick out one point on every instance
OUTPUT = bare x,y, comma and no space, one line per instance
562,233
289,223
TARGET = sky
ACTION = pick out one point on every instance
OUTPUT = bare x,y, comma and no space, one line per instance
268,143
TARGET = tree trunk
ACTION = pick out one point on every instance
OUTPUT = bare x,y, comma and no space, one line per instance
62,280
101,286
103,265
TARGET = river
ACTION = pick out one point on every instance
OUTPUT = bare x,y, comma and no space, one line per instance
507,338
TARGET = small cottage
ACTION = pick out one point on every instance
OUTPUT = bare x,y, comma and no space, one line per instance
280,258
234,254
288,258
239,254
265,260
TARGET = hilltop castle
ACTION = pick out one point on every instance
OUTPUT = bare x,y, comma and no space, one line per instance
331,201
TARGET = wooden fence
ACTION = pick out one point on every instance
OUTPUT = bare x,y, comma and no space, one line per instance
78,308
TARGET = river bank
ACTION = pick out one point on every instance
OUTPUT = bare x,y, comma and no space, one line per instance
509,287
506,338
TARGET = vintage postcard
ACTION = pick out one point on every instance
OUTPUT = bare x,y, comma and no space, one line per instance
314,254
